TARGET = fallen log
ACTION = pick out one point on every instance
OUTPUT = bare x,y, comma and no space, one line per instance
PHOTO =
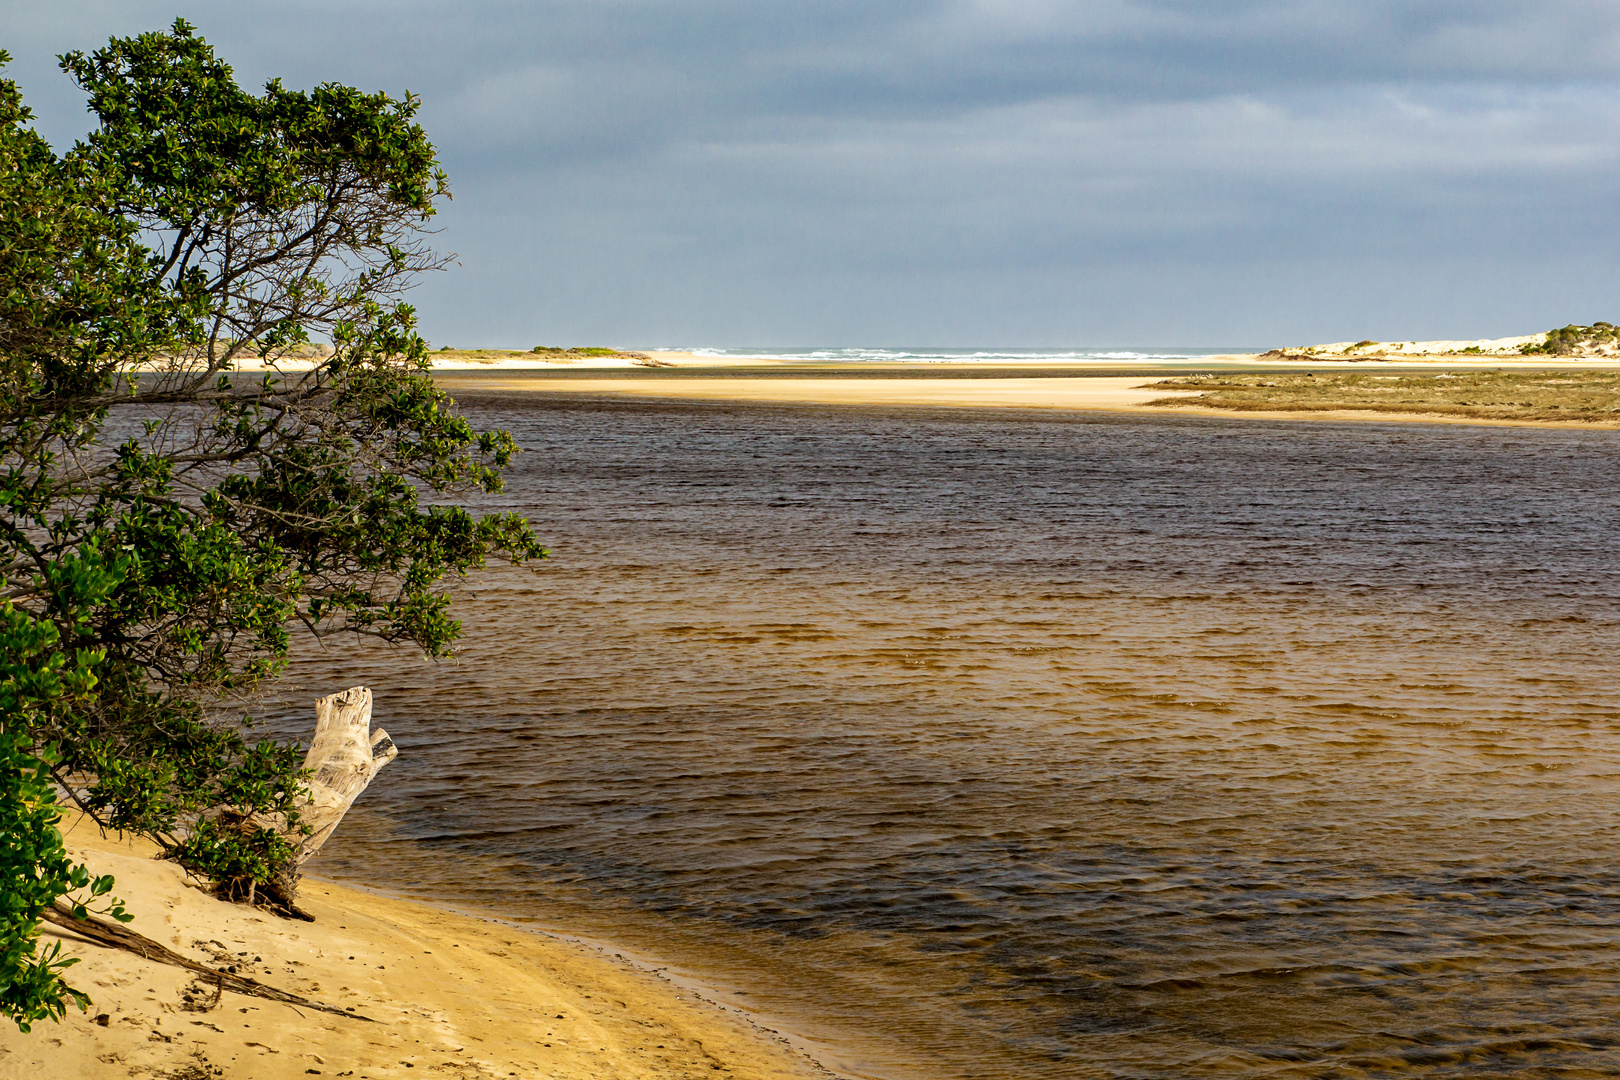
114,936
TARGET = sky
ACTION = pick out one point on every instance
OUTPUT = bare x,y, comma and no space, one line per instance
981,173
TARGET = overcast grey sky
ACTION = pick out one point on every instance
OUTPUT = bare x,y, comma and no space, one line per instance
983,172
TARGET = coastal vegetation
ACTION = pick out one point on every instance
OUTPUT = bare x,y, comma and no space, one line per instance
1572,340
1599,340
586,351
539,352
1588,396
167,521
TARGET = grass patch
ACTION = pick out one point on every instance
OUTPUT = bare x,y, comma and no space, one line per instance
1488,395
540,352
552,352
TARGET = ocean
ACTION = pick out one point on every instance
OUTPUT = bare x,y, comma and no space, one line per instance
997,744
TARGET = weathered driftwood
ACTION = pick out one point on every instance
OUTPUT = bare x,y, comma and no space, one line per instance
114,936
343,757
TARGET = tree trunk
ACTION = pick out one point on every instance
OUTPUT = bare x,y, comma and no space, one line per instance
343,757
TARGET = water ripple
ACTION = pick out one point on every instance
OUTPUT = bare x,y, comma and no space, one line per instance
1013,746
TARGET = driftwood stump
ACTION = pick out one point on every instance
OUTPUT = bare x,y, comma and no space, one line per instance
343,757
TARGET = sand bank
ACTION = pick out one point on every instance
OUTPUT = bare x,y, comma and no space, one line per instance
451,996
1109,394
1102,393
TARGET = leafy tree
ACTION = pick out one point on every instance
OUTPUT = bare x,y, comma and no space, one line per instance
37,681
187,474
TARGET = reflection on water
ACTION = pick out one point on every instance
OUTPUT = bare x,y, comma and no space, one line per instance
1010,746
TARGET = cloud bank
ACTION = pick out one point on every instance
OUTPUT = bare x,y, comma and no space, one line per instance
999,172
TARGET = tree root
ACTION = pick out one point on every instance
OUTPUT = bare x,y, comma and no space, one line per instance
113,936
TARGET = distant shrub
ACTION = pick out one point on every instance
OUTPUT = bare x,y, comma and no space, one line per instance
1363,344
554,350
1566,339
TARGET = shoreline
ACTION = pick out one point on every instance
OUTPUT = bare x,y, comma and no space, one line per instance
452,994
824,1058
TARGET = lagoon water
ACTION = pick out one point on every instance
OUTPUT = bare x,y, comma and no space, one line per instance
1011,745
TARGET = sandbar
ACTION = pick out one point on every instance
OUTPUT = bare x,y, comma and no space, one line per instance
1091,385
1101,393
1097,394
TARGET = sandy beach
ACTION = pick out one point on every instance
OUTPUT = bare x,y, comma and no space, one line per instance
446,995
1102,393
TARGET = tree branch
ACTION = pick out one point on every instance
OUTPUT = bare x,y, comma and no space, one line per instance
113,936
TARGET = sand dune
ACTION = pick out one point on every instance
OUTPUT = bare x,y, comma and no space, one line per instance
1508,346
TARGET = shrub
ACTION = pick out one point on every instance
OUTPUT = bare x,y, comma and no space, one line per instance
36,679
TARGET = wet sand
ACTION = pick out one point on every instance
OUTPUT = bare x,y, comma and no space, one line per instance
451,996
1102,393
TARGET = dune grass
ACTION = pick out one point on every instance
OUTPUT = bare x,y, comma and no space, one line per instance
539,352
1587,396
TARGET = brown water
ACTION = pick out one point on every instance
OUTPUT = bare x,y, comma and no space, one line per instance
1005,745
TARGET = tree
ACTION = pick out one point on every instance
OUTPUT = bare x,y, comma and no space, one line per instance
172,518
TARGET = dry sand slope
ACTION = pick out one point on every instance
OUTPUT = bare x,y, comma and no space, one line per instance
451,996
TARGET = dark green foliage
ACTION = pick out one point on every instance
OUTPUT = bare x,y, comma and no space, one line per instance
588,350
172,518
38,683
1568,340
239,856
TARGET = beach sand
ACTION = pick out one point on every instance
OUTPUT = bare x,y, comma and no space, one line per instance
1105,393
451,996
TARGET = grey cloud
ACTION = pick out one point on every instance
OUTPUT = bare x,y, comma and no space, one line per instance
1034,171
